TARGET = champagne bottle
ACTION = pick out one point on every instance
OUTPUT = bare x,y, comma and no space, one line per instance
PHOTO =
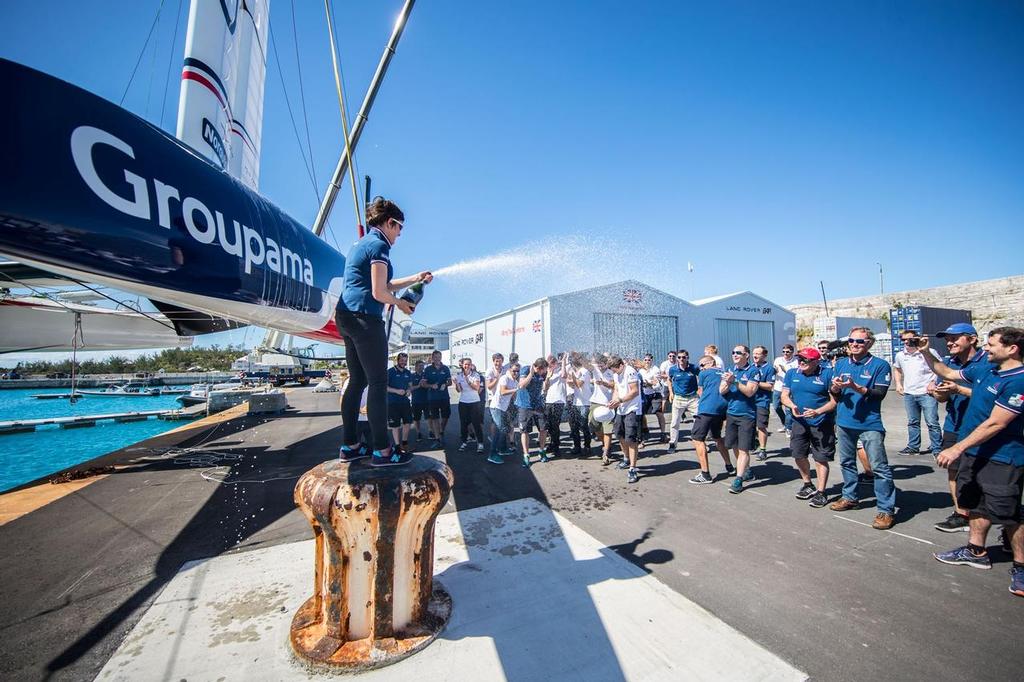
413,294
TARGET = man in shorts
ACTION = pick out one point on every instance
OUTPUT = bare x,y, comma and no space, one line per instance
806,392
763,398
991,478
626,402
739,386
419,398
439,406
711,408
530,403
399,409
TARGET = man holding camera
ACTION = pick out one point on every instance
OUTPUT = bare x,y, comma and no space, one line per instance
991,446
859,383
912,380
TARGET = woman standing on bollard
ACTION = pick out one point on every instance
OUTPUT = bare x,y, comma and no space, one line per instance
359,315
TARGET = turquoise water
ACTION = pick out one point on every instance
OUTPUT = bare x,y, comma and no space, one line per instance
28,456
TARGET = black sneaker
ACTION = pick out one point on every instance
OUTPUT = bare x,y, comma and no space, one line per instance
671,447
761,455
806,492
953,523
398,456
906,452
633,476
818,500
730,470
1004,540
703,478
346,454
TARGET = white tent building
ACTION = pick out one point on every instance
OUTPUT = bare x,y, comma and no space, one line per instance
628,318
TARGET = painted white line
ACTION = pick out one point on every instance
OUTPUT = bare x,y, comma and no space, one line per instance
909,537
754,492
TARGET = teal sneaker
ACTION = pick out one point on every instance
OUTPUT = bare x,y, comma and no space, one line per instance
495,458
526,460
397,457
736,486
748,475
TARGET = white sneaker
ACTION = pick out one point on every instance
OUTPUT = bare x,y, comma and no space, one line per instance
479,447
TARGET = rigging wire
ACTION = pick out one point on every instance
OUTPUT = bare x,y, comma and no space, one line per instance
152,73
78,335
344,116
42,294
142,53
170,63
291,116
126,305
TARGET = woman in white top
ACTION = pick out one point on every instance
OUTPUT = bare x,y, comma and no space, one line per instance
580,389
471,408
602,384
504,389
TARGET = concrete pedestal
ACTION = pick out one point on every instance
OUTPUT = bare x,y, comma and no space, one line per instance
374,601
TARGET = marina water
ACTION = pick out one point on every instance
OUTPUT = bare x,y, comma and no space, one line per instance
27,456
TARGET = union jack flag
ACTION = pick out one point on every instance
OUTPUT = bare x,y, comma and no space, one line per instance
536,325
632,295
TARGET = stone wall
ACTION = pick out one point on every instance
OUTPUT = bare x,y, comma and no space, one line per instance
993,303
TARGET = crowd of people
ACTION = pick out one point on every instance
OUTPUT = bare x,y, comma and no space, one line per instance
827,403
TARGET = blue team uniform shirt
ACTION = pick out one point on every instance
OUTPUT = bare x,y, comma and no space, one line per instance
357,293
739,404
531,397
856,411
809,391
419,395
763,397
684,381
440,376
711,402
956,406
990,387
398,378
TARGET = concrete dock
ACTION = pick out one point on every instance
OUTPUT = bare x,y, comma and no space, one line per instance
821,592
25,425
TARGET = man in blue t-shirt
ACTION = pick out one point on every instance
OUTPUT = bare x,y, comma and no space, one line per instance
439,406
419,398
763,398
399,408
711,407
806,392
739,386
991,478
962,343
682,394
529,402
859,384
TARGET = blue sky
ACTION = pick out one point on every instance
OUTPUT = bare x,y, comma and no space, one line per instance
720,133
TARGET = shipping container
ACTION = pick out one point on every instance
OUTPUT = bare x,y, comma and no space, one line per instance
923,320
831,328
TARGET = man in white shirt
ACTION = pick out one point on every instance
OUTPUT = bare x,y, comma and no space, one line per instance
498,368
603,383
652,399
712,351
501,393
554,401
626,402
912,376
580,389
783,364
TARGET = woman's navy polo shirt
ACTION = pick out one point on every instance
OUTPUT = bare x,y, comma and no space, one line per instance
357,294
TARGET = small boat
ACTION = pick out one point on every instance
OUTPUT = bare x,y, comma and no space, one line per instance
200,393
133,390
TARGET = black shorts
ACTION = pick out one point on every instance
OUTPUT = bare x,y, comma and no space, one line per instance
399,412
419,410
527,418
949,439
704,424
627,426
651,404
439,409
818,441
739,433
990,489
762,418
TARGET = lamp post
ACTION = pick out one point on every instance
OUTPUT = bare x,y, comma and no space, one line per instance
881,282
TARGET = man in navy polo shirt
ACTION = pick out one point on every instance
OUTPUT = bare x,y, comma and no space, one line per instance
991,478
806,392
962,343
419,398
439,407
860,383
711,408
763,398
682,393
530,401
739,386
399,408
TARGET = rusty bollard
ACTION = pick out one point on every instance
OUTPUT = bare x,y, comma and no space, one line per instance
374,600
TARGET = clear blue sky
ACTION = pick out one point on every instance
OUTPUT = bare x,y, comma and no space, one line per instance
720,133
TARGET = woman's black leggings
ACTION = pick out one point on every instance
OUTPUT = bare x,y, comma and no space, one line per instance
366,351
472,413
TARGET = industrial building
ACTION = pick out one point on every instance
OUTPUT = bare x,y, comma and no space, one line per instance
628,318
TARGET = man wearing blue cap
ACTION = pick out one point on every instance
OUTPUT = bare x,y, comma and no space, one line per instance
962,343
991,446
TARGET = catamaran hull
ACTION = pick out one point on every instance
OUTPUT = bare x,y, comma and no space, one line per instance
93,192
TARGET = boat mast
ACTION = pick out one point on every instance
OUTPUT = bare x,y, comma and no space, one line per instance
357,127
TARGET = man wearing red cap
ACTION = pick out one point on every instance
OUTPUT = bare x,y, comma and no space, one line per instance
805,391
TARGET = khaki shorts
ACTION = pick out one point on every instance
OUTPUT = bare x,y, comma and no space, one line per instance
606,428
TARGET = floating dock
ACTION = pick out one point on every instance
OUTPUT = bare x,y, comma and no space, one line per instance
25,425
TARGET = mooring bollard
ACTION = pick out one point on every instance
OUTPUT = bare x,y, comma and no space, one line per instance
374,600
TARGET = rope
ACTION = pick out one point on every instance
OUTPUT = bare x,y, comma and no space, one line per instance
78,335
344,116
142,53
170,63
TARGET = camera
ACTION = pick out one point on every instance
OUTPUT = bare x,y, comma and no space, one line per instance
837,349
912,343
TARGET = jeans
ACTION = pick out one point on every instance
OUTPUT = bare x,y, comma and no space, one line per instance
784,414
366,350
553,416
471,413
874,445
498,441
915,405
578,425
